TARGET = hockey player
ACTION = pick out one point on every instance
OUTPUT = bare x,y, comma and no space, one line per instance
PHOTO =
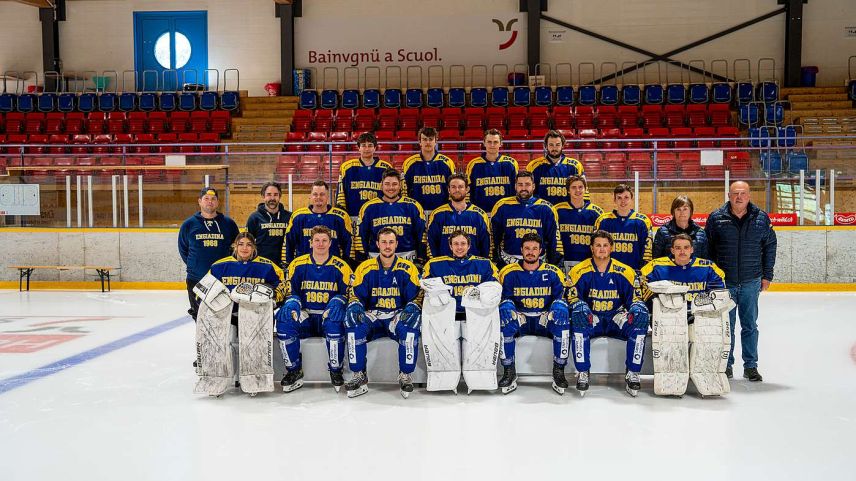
319,212
385,301
491,175
604,302
426,174
533,303
458,214
360,178
461,269
576,222
553,169
203,238
317,289
267,224
401,214
630,230
513,217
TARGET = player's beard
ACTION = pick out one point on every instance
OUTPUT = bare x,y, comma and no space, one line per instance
272,204
524,195
459,198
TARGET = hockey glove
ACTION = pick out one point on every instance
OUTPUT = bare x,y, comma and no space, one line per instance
291,308
335,309
560,314
355,314
507,311
411,316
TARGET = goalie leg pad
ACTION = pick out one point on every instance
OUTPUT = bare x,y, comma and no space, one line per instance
255,347
213,351
481,347
709,353
441,344
408,345
669,341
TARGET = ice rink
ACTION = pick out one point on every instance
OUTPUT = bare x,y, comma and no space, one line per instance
99,386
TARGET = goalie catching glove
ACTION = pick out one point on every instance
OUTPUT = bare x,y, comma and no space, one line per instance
252,293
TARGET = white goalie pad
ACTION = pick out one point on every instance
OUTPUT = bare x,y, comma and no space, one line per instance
214,362
255,346
246,292
670,338
711,342
482,336
212,293
440,336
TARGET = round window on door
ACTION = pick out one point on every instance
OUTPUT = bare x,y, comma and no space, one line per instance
163,51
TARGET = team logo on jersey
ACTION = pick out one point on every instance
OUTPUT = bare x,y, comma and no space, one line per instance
394,281
610,282
506,28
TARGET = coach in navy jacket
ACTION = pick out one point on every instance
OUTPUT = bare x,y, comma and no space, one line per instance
741,241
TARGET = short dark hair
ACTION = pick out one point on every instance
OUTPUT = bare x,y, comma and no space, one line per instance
458,233
459,176
429,132
392,173
271,184
386,230
367,137
554,134
492,132
531,237
525,173
680,201
321,183
601,234
576,178
678,237
622,188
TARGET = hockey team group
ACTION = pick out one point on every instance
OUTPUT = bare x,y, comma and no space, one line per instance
459,265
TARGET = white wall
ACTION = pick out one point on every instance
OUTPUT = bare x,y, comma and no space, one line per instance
20,39
824,42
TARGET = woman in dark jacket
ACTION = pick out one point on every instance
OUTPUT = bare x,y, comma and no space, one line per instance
681,223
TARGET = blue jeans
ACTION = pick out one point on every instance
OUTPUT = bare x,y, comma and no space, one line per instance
745,295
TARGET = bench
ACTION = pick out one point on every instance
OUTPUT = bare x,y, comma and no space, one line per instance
26,271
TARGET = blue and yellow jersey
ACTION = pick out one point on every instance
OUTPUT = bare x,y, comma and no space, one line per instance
405,216
297,234
551,179
426,180
533,292
699,275
575,228
258,270
631,236
512,219
461,273
359,183
491,181
386,290
605,292
445,220
315,284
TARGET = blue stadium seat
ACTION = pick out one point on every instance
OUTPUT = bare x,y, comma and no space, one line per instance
127,101
774,113
148,101
653,94
107,101
587,95
329,99
747,114
609,94
797,161
787,137
86,101
7,102
458,97
436,98
745,92
499,97
522,96
308,99
47,102
167,101
722,93
413,98
768,91
229,100
392,98
207,101
478,97
631,95
759,137
187,101
27,103
699,94
350,99
771,161
371,98
543,96
565,95
67,102
676,94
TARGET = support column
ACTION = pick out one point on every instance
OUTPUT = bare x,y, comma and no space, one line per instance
51,61
533,8
287,12
793,41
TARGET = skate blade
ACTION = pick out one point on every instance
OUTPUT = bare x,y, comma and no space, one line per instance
358,391
337,388
632,392
510,389
582,393
293,387
559,390
405,394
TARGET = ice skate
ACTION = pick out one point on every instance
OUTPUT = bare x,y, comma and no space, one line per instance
292,381
582,382
337,380
560,383
358,385
406,384
632,383
508,383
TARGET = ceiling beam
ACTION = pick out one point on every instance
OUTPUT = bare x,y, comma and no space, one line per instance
36,3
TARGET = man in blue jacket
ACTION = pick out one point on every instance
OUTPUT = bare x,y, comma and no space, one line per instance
204,238
741,241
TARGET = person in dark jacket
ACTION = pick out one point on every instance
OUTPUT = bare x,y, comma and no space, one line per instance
741,241
681,223
203,238
267,224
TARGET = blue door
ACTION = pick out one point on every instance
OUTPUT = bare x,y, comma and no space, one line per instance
170,48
